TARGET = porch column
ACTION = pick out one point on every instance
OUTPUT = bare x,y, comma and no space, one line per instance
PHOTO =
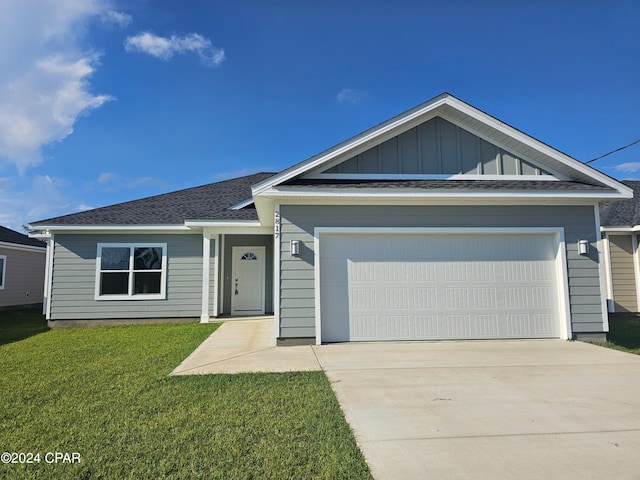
206,272
216,275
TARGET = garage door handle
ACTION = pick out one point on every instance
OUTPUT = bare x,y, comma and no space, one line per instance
236,286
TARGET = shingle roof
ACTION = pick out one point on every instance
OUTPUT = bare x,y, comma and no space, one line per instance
207,202
533,185
625,213
11,236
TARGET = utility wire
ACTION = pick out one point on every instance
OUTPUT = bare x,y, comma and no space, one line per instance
613,151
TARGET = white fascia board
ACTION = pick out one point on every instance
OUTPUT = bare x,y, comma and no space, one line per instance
243,227
540,146
241,205
94,229
615,230
17,246
40,235
221,223
414,195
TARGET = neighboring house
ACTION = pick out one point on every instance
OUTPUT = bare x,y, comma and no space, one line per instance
440,223
620,226
22,261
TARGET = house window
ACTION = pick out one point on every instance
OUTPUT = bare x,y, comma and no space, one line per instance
3,269
134,271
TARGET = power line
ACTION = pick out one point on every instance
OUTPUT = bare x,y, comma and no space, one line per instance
613,151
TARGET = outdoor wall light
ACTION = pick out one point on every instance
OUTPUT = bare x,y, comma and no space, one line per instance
583,247
295,248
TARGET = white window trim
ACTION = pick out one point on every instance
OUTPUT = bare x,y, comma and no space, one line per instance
3,272
130,296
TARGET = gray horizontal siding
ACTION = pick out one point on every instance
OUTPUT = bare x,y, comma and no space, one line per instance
74,278
24,277
298,222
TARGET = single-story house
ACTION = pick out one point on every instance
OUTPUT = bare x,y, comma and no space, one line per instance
440,223
620,225
22,261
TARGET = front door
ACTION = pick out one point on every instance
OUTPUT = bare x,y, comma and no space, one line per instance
247,282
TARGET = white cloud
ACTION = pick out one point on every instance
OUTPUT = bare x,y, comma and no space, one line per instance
44,82
120,19
166,47
629,167
35,199
352,96
107,177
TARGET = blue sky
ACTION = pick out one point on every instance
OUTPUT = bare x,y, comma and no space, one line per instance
103,101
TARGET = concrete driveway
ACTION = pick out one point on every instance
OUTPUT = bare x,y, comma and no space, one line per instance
490,409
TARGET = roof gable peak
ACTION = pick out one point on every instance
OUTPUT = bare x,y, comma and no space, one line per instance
534,152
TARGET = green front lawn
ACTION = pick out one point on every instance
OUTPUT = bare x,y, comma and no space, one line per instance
624,332
105,394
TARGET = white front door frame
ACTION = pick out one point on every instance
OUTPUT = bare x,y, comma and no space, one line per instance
236,252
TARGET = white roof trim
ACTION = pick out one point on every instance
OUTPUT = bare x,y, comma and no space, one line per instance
187,227
102,228
241,205
620,229
222,223
430,107
414,193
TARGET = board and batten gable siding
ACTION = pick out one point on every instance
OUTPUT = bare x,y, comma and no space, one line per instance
74,279
623,277
24,277
436,147
297,294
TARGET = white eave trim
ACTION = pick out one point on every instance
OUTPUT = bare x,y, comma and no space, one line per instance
221,224
189,226
253,227
408,194
620,229
241,205
105,228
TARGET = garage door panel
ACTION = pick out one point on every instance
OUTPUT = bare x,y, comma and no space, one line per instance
421,287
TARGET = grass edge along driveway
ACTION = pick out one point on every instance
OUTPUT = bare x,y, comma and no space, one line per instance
105,394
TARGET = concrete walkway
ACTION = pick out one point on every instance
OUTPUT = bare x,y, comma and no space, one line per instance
457,410
246,345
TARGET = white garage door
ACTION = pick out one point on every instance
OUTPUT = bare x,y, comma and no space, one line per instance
438,286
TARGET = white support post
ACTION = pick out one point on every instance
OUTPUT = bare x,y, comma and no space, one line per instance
206,273
216,274
276,271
